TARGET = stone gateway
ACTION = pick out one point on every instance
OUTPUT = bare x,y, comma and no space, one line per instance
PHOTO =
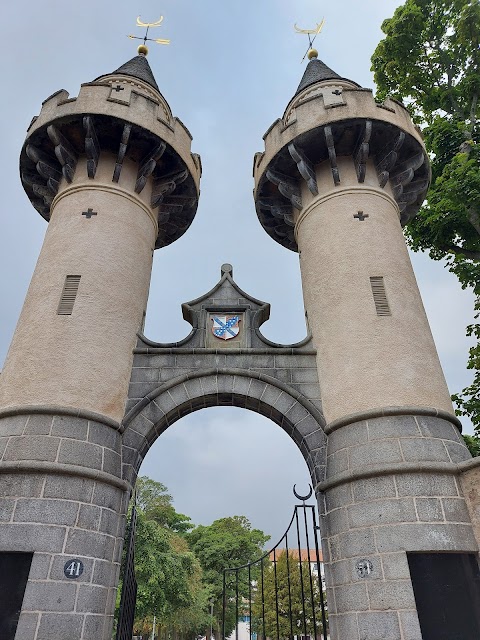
363,396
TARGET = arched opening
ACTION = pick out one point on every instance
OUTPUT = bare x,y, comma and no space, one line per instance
188,393
233,428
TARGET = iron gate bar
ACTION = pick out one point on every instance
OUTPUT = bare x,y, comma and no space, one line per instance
276,593
319,573
310,572
289,586
224,603
250,601
277,551
263,603
128,600
301,572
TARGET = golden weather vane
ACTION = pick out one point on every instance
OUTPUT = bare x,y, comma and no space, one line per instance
311,52
143,48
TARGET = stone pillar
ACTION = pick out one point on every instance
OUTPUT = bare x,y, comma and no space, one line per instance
106,169
339,176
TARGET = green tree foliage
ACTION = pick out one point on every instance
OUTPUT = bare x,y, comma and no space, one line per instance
430,59
164,569
473,444
228,542
155,502
169,576
282,589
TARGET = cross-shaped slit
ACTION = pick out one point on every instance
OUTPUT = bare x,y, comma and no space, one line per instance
361,216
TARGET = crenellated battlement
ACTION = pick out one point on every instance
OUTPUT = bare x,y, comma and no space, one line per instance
121,116
326,121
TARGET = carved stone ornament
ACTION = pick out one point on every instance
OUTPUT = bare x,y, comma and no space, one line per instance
305,167
122,149
287,187
92,148
332,154
166,185
387,158
148,165
64,152
362,152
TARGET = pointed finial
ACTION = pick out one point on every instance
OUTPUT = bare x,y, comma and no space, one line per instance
311,52
143,49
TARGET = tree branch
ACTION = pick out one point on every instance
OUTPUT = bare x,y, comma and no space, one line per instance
473,112
474,219
459,251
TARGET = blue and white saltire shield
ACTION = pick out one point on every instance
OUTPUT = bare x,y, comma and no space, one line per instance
225,327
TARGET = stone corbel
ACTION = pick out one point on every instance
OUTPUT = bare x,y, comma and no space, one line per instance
64,152
280,211
305,167
127,129
45,168
362,151
92,148
287,187
332,154
411,192
387,158
173,205
166,185
148,165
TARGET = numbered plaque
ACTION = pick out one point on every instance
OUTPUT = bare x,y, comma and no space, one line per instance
73,569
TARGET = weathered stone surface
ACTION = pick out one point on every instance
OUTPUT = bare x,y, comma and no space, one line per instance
429,509
410,625
46,511
13,425
38,425
70,427
378,626
50,596
352,597
426,485
368,489
390,595
392,427
60,626
382,512
32,448
27,626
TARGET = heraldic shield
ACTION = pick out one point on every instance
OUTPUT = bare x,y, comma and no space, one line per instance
226,327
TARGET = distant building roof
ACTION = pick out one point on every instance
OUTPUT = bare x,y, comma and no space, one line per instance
293,553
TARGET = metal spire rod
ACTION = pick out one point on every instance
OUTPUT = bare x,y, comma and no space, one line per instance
309,33
148,25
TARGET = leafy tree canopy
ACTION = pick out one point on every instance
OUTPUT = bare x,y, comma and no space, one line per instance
228,542
156,504
430,59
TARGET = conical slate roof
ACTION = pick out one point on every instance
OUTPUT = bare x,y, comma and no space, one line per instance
137,67
317,71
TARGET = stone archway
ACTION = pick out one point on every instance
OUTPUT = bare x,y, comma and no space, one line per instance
261,393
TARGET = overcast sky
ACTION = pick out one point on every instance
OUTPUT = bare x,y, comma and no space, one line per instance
228,74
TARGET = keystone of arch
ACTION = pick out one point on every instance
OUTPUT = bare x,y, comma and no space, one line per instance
255,391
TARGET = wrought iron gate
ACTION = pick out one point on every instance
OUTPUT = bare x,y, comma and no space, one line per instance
126,615
280,595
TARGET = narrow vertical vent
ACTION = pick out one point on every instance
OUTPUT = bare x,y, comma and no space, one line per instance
379,296
69,293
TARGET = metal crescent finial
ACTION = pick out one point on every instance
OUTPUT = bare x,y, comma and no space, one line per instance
303,498
149,24
315,31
